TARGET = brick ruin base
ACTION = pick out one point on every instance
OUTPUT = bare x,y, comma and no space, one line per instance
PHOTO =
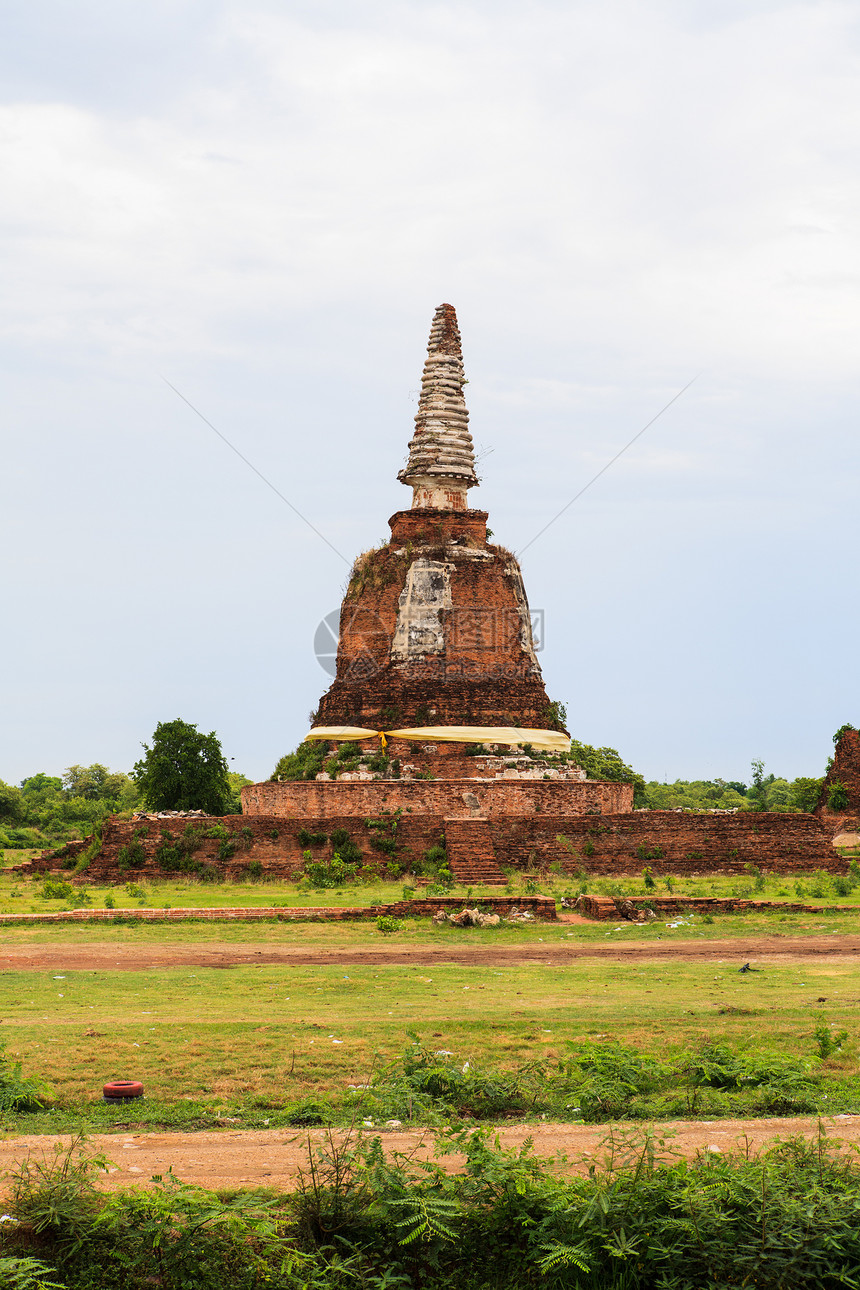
670,842
479,849
540,908
615,909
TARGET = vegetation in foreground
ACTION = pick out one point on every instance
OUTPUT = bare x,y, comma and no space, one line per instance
638,1219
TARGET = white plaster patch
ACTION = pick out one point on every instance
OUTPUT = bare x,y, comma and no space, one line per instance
512,571
419,616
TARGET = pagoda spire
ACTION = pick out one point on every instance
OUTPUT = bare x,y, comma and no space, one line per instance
441,465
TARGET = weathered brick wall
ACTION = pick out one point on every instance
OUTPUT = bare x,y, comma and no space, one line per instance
846,769
540,907
690,844
269,840
602,908
482,677
607,844
502,797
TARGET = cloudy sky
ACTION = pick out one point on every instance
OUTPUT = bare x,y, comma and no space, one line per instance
261,204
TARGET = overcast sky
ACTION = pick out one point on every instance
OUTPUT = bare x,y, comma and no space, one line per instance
263,203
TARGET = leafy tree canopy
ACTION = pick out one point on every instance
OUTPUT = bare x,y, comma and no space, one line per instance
184,770
237,782
95,783
39,789
606,763
11,804
769,794
805,792
305,763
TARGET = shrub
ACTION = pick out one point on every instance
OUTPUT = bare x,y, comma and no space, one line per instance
331,873
305,763
23,1273
759,880
837,796
349,851
56,1194
175,854
56,889
131,856
387,925
226,850
308,839
829,1041
654,852
819,885
19,1092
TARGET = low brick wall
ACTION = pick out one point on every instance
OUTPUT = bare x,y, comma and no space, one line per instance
271,842
670,842
502,798
540,907
605,908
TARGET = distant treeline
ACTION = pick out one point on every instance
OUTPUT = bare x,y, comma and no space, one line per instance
772,794
45,810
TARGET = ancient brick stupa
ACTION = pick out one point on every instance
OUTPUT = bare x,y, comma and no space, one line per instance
438,695
435,631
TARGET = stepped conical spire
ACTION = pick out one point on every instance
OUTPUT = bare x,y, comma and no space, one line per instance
441,465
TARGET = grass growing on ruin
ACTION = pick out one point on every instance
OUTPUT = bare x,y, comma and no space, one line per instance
253,1045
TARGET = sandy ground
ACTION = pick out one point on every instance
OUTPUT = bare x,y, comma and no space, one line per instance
97,955
244,1158
273,1157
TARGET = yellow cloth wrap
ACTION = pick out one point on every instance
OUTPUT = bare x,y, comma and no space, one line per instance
551,740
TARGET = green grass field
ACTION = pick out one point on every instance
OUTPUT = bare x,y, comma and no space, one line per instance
20,894
251,1045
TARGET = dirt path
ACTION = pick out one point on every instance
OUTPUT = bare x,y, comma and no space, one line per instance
273,1157
102,956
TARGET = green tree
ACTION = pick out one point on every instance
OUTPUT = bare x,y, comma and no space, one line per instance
184,770
11,804
757,791
606,763
41,790
237,782
97,784
694,795
805,792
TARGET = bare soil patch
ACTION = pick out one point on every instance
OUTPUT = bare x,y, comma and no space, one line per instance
109,956
273,1158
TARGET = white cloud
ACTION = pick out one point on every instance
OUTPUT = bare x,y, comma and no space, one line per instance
265,203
